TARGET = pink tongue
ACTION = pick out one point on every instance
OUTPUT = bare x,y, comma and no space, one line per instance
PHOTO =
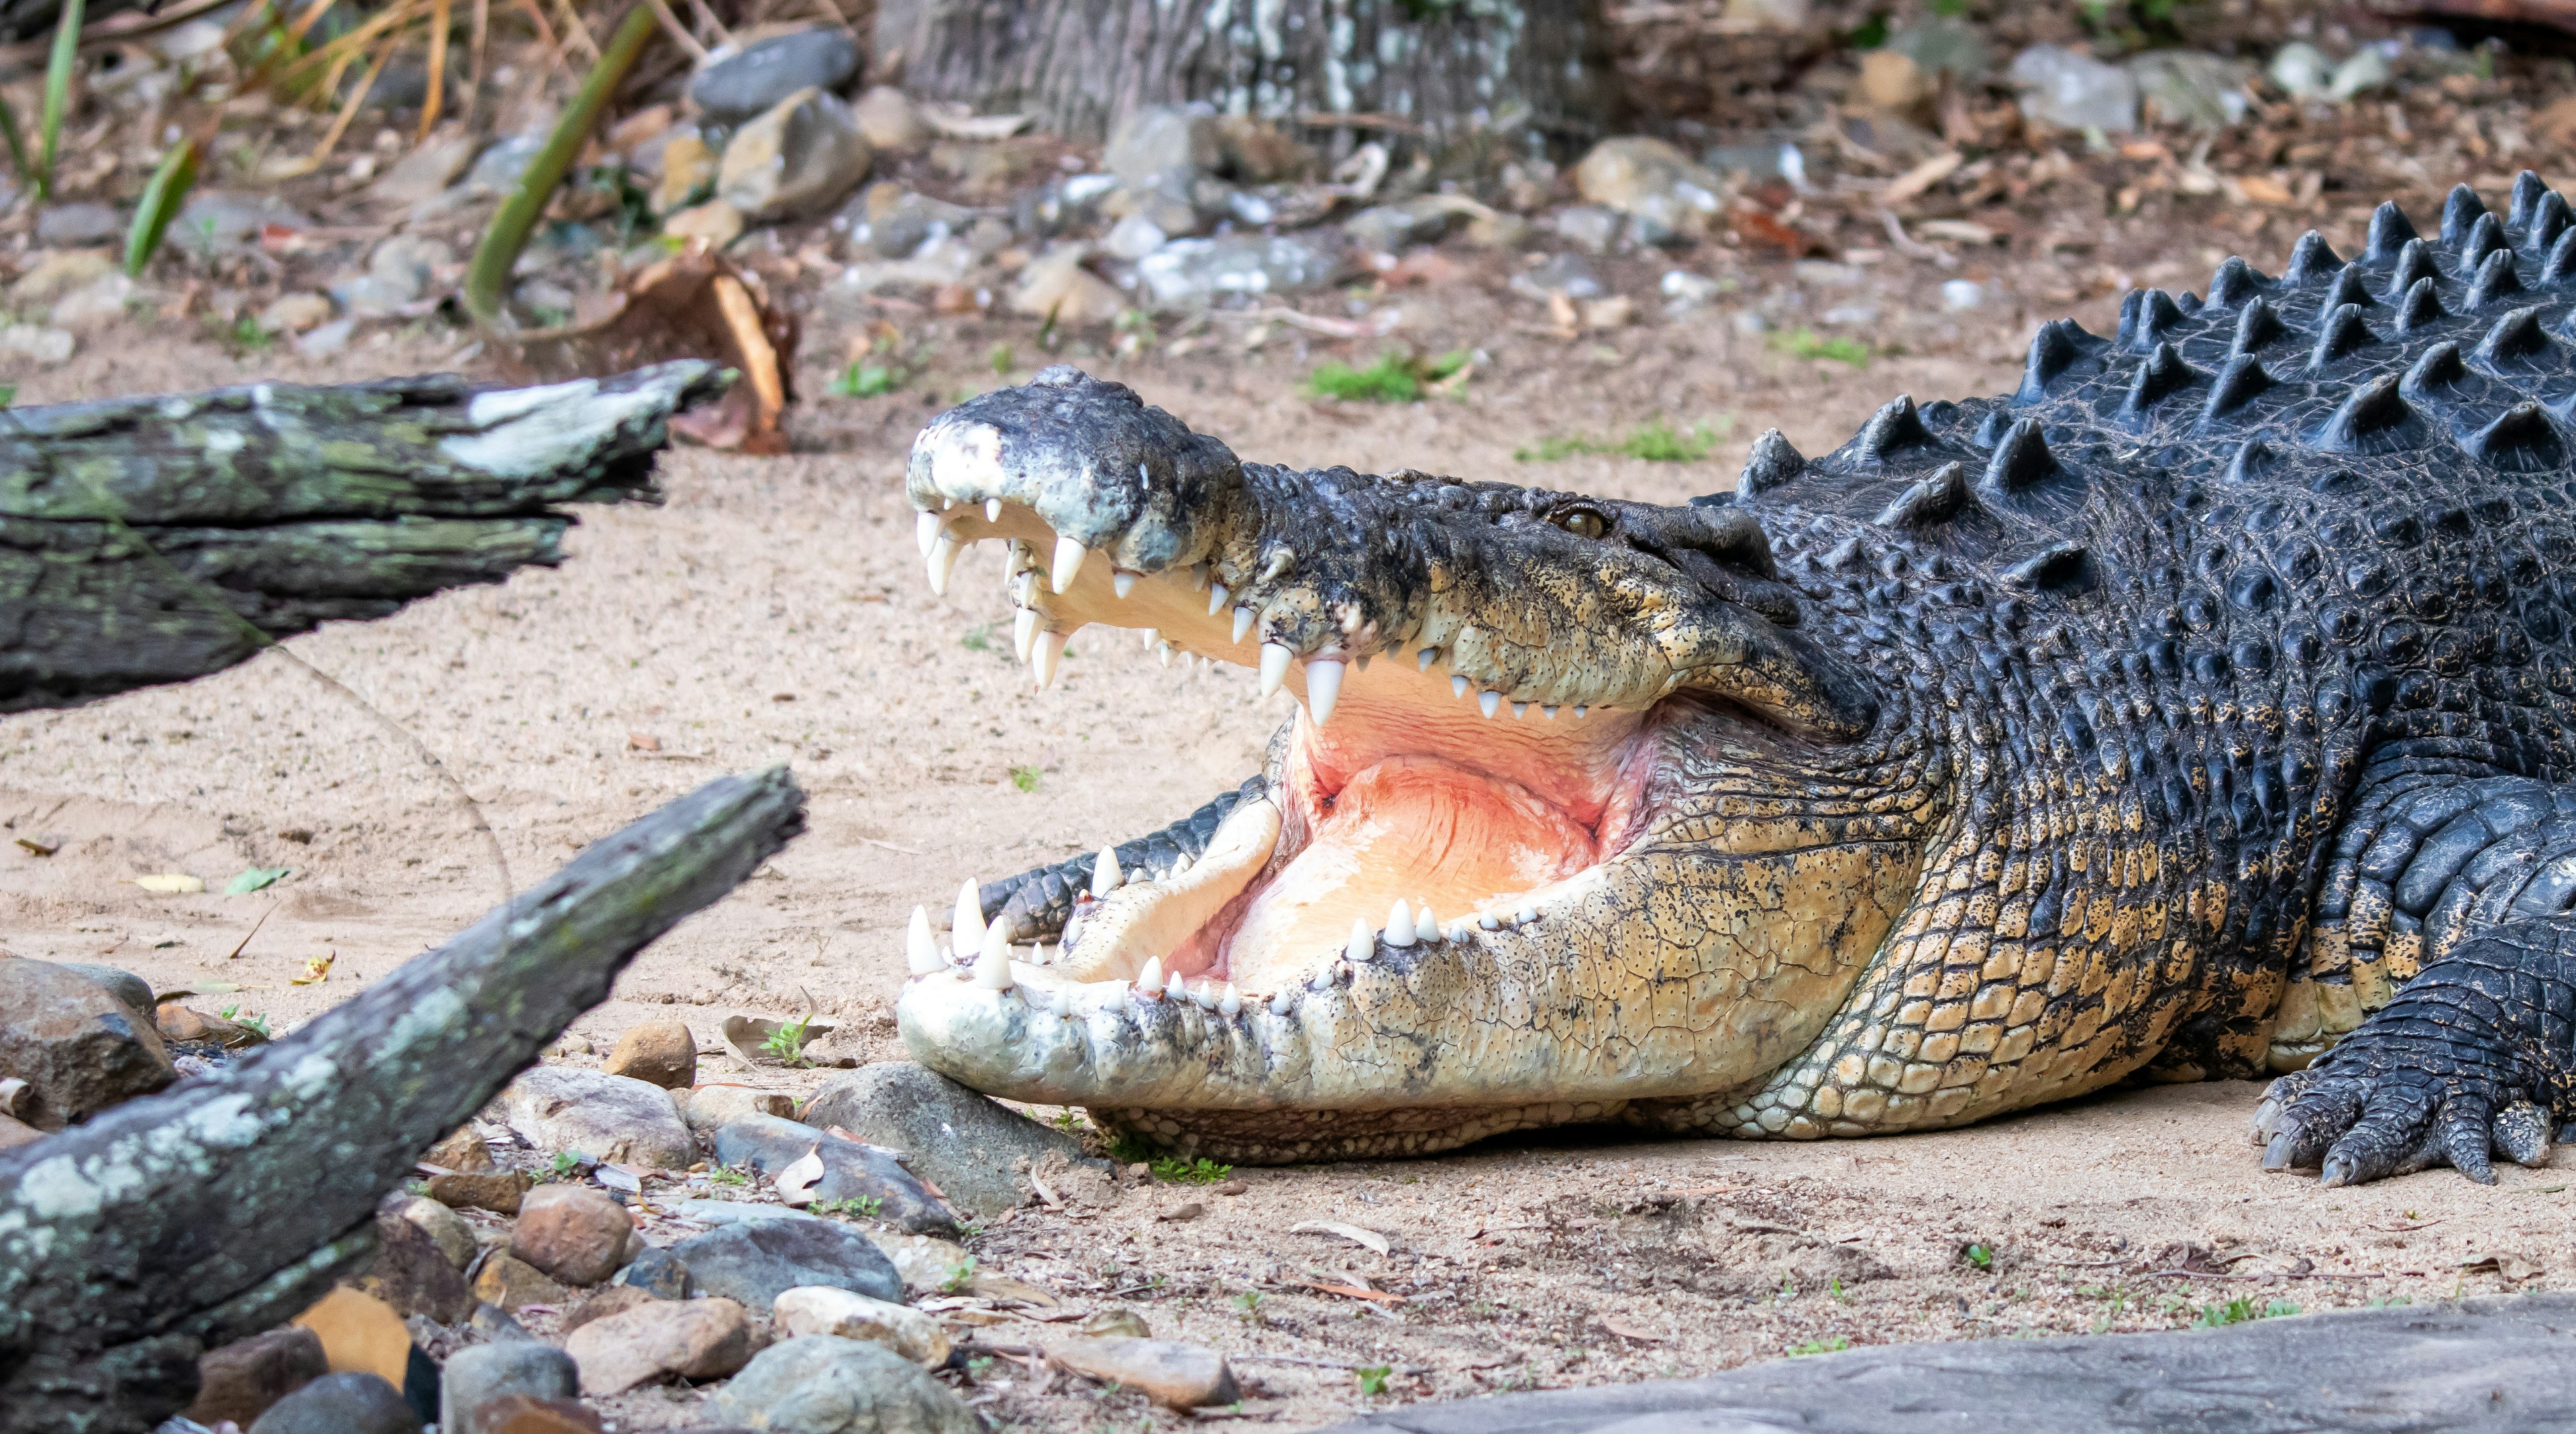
1415,829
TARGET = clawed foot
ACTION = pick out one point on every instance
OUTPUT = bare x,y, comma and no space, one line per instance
2356,1125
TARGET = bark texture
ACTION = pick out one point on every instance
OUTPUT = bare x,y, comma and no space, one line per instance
131,1243
150,540
1439,68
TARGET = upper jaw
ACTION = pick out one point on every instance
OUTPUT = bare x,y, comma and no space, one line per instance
1117,513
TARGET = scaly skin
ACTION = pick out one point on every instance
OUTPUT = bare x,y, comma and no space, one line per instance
2165,719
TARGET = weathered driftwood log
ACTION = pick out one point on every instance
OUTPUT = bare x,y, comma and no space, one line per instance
223,1206
149,540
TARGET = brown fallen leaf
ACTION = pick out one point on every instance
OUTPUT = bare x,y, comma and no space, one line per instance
796,1183
642,742
1352,1291
694,304
2263,189
1628,1330
1920,178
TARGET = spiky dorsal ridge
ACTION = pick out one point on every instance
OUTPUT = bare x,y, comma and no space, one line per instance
2456,365
1774,461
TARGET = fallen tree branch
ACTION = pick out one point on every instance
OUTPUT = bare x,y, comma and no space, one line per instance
223,1206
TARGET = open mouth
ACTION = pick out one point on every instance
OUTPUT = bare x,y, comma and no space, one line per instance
1410,804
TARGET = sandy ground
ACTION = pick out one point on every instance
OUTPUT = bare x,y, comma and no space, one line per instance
775,611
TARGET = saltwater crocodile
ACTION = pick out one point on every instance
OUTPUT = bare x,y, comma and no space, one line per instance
2201,709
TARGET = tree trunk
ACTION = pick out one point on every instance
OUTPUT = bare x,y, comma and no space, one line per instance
149,540
1439,70
226,1204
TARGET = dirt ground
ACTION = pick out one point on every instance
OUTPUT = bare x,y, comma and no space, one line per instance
411,770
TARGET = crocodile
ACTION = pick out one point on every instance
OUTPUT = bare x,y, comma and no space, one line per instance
2201,709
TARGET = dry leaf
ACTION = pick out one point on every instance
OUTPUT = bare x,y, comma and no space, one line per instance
1627,1330
170,883
13,1095
317,969
1353,1291
1956,231
796,1183
620,1177
1352,1233
2263,189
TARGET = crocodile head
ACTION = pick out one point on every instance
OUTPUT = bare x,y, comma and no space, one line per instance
1581,807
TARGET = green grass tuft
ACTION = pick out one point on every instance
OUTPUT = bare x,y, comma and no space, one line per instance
1654,441
1394,378
2241,1311
1808,344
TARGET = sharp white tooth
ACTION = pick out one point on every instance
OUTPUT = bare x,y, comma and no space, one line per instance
1485,921
1399,926
966,932
1205,994
920,953
1231,1002
1457,687
1122,583
1460,930
1151,978
1363,660
1216,598
946,503
1072,934
1021,558
926,529
943,561
1105,876
1166,653
1422,660
1176,986
1489,702
1426,927
1281,1003
1153,637
992,510
1548,712
993,964
1274,666
1525,915
1024,628
1323,688
1046,655
1243,617
1520,709
1181,864
1363,942
1069,553
1579,711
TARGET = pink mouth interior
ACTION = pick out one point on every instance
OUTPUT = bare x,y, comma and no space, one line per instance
1371,818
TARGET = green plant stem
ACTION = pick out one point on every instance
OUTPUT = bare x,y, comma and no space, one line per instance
17,139
518,215
162,196
58,94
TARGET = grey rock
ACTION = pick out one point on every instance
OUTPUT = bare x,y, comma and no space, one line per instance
2483,1365
1565,274
893,222
346,1403
1391,228
712,1107
1164,145
799,157
213,221
473,1377
1133,238
824,1384
889,119
239,1381
1587,225
496,1324
79,1048
124,985
497,169
976,1151
2071,91
851,1170
754,1262
659,1273
1187,273
606,1117
734,87
62,226
2191,87
1939,44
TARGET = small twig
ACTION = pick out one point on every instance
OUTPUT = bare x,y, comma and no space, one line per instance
672,27
253,931
707,17
579,29
890,846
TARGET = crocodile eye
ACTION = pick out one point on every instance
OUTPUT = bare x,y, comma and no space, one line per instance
1582,523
